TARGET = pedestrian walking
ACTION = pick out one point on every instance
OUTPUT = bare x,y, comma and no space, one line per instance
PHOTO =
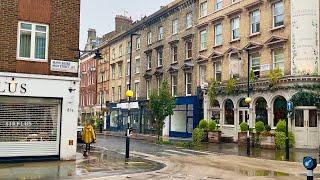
88,136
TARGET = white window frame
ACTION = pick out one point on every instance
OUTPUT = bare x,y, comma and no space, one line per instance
203,9
138,43
255,68
187,75
32,48
216,35
137,90
189,22
175,27
187,49
217,70
149,38
174,85
174,53
119,92
202,74
255,23
203,42
280,62
119,70
276,15
234,28
158,57
148,86
160,33
137,65
149,61
113,71
218,5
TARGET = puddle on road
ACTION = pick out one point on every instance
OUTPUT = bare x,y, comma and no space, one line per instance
99,163
247,171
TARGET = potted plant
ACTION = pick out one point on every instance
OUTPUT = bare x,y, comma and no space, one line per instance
203,124
242,135
214,134
267,138
259,126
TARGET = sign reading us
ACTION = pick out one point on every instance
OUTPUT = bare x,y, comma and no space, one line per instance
12,87
64,66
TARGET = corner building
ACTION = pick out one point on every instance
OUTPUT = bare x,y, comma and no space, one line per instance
269,34
39,83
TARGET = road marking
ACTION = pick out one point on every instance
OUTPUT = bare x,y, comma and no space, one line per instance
178,152
168,154
200,152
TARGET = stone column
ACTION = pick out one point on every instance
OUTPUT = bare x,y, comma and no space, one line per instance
236,124
206,106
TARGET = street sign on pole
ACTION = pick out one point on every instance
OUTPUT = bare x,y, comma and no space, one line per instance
289,106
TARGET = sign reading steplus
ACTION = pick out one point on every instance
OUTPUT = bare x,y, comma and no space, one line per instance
64,66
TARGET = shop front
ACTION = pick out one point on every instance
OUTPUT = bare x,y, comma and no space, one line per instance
38,117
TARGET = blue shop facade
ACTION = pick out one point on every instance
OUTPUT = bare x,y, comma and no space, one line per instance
186,117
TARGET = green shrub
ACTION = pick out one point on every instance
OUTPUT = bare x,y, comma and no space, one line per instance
280,140
259,127
281,125
197,135
183,144
203,124
244,127
212,126
268,128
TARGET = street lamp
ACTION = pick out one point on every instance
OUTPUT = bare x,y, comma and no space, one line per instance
99,58
129,94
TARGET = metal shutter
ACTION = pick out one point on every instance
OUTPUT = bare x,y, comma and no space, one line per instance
29,126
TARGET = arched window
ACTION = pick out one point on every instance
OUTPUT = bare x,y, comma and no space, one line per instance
261,110
228,112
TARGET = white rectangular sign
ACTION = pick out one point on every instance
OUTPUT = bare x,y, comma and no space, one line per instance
264,67
64,66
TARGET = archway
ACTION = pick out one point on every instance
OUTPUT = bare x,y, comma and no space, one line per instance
243,111
279,109
261,111
228,112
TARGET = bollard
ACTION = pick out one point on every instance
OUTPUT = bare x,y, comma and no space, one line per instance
310,164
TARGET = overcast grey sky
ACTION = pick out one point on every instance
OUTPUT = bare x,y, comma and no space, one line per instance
99,14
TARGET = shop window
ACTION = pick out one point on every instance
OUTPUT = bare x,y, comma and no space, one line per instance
228,113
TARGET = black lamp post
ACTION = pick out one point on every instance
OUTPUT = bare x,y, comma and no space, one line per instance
248,100
129,94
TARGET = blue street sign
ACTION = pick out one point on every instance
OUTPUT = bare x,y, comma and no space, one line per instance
309,163
289,106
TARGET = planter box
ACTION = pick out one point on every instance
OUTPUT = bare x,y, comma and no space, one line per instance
268,142
242,138
214,137
205,138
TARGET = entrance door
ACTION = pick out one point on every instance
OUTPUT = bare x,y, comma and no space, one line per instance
243,115
306,128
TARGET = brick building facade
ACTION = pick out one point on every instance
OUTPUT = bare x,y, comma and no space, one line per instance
39,77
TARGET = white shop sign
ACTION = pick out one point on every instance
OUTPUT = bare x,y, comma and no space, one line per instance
64,66
133,105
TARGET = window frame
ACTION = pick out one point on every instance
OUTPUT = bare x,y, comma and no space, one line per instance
235,29
149,61
137,67
119,70
202,73
175,26
174,53
203,45
217,3
189,18
274,16
255,24
218,70
148,86
203,12
149,38
33,39
218,35
137,90
120,50
160,33
113,71
174,85
187,49
138,43
188,84
273,59
159,59
258,67
119,92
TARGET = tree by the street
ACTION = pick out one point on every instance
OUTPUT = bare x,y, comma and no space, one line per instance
161,105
